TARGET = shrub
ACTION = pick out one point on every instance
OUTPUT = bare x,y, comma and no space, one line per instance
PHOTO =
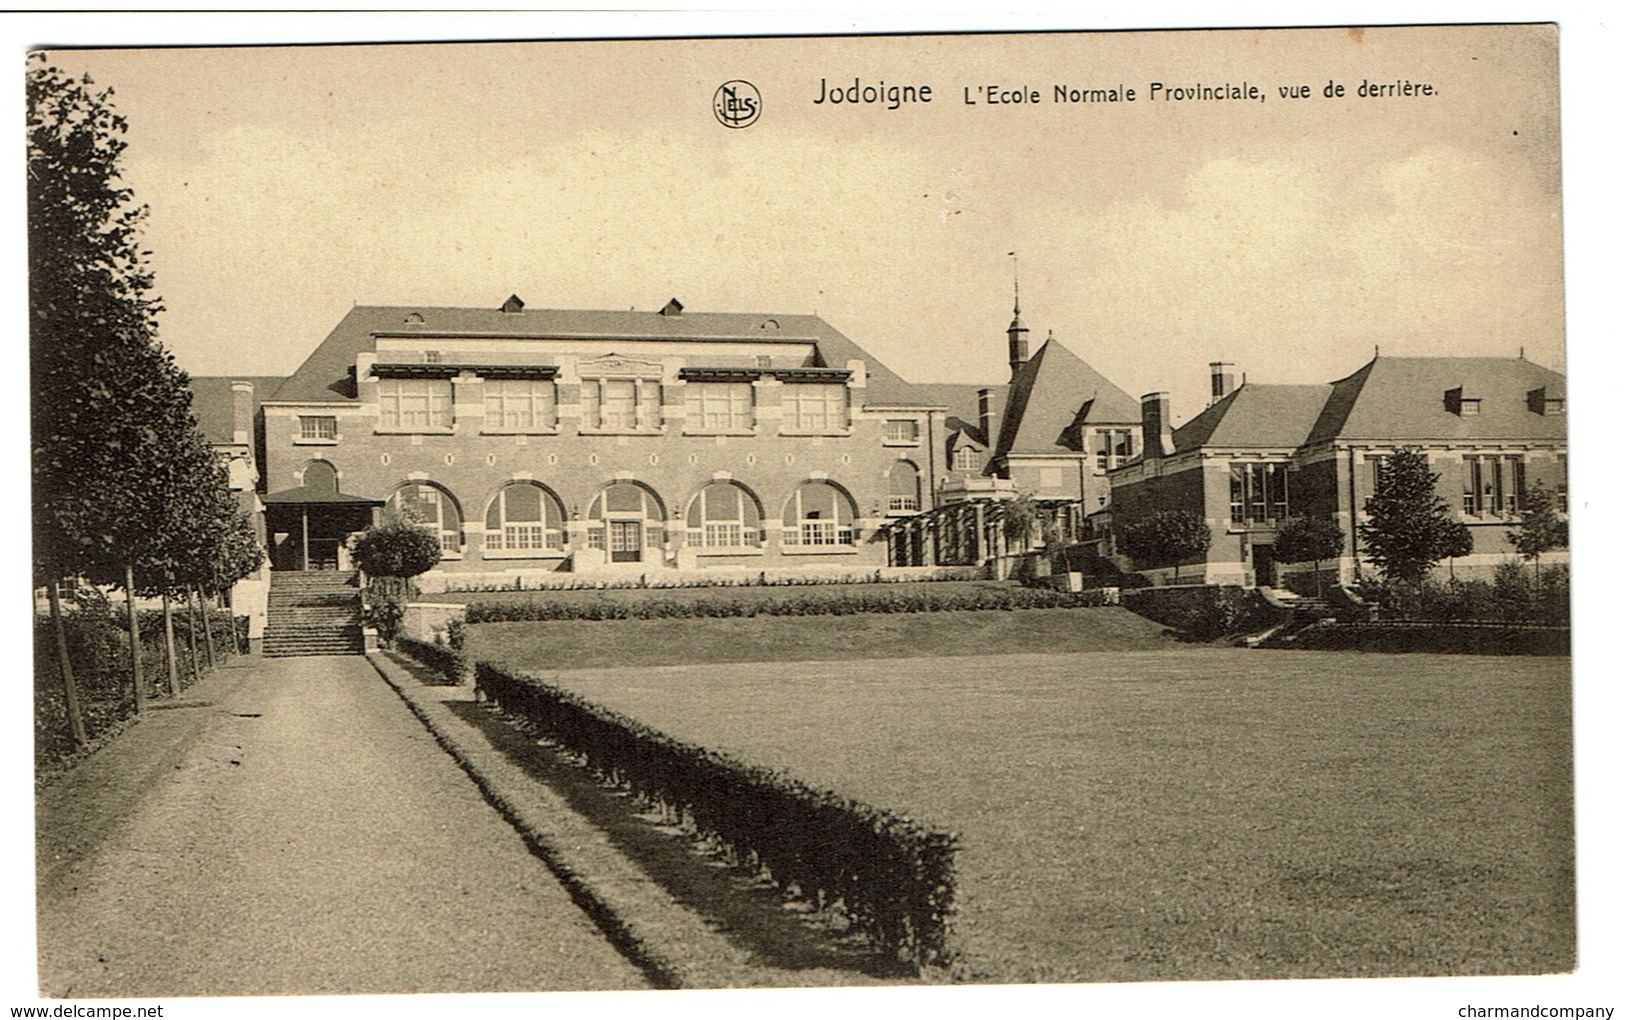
386,608
449,662
837,602
892,877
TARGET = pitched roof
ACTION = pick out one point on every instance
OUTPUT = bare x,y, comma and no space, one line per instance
1054,392
1404,399
962,400
214,407
325,374
1254,415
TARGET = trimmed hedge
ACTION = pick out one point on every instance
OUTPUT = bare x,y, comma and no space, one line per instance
826,602
449,662
892,877
1439,638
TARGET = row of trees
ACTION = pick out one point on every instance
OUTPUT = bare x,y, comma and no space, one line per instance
126,489
1408,530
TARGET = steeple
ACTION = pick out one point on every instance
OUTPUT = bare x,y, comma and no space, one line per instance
1017,332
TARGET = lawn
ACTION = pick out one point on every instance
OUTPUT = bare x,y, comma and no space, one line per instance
1189,812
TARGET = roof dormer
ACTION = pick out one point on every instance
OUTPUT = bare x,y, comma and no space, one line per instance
1459,404
1542,402
513,304
673,308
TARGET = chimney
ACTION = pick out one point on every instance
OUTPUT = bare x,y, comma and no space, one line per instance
1156,425
990,409
1224,380
242,411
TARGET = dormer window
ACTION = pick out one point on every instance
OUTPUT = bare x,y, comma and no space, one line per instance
1540,402
1459,404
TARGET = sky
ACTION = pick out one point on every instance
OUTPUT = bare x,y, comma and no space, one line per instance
1292,237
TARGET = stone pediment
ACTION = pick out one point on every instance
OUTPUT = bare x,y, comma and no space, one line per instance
617,364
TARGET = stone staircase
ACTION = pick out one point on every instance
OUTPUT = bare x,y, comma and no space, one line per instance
313,612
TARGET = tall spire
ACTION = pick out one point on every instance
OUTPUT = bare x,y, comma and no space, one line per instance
1017,330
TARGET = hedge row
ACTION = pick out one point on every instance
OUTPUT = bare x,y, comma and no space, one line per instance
1438,638
891,876
828,602
712,577
446,660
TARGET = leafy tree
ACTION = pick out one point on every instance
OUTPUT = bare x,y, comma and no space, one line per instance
1309,538
95,371
1166,536
391,553
1409,524
1457,541
1541,529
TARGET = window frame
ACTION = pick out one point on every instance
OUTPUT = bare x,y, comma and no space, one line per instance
539,400
451,538
438,413
737,413
504,540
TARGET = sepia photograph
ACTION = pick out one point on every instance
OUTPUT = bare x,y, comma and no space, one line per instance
830,514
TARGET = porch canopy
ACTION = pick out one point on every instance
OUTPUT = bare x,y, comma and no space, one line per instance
314,522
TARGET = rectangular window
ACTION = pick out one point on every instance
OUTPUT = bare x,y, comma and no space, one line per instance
620,405
519,405
1112,448
720,406
815,407
1563,483
1491,484
414,403
318,427
1258,493
902,430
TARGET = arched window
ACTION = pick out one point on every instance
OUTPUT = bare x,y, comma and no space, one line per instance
967,458
624,519
320,476
904,494
524,516
818,513
724,515
433,508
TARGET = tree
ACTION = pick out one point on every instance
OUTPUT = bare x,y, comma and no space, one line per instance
1309,538
1457,541
1166,536
1540,529
1409,526
94,366
391,553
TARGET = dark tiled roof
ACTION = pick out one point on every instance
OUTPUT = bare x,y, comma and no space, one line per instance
1274,416
961,399
1047,401
325,375
1404,399
306,494
213,405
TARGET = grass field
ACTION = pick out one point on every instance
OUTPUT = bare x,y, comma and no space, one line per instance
1191,812
575,645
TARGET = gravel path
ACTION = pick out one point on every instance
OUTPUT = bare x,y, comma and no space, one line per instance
295,831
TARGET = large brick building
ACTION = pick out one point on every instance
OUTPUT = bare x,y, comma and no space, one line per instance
1259,454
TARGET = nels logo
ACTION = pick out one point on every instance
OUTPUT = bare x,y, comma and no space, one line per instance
736,103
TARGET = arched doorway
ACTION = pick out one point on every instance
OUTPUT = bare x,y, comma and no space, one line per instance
626,520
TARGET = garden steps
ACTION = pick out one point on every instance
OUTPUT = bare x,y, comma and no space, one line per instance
313,612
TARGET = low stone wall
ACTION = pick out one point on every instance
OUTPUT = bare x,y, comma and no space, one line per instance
1205,612
423,620
1440,638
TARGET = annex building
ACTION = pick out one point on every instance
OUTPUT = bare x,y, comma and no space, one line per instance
1259,453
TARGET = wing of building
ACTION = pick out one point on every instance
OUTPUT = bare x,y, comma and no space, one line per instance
1260,454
